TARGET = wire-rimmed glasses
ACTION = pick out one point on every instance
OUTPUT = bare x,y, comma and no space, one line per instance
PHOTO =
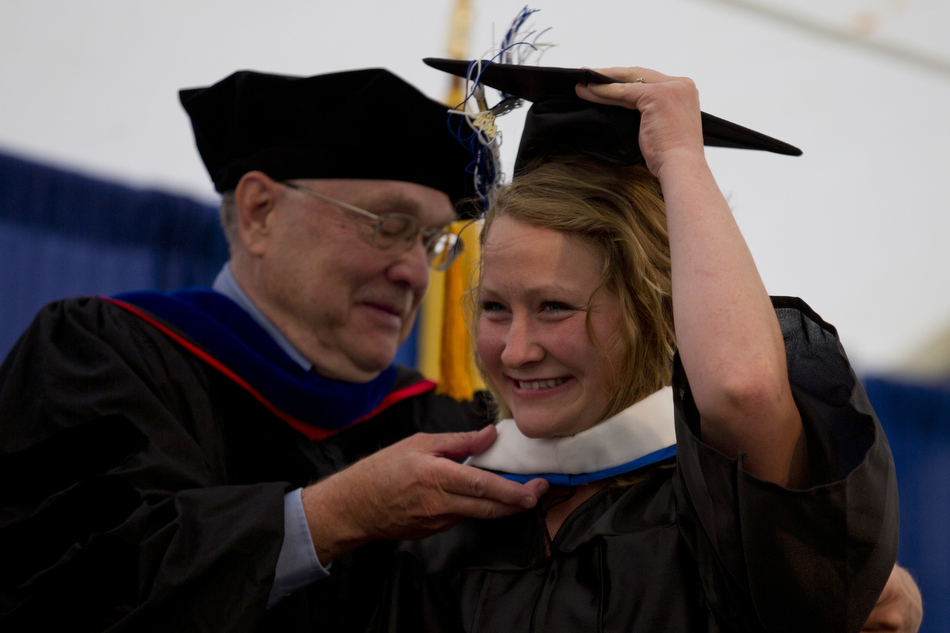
397,232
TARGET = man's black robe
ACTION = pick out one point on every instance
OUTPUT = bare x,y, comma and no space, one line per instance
143,489
702,546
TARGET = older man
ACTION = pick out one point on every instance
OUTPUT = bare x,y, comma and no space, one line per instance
158,452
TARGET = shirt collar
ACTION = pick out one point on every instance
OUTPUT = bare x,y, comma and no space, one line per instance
226,284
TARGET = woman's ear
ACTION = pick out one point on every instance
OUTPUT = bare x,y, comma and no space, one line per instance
254,201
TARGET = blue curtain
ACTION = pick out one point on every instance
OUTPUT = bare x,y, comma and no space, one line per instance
916,419
62,234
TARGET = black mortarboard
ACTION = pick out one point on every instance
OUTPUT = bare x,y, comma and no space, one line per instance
560,122
367,124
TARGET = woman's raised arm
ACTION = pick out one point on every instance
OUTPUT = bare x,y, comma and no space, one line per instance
727,334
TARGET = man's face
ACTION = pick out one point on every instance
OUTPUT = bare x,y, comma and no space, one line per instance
344,304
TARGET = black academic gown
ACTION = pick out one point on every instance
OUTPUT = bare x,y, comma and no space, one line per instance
142,490
699,545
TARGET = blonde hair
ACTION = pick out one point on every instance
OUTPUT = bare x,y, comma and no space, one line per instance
619,211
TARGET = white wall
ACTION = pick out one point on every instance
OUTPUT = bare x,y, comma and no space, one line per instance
857,225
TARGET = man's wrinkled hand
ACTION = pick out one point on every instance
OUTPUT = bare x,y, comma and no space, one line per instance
411,489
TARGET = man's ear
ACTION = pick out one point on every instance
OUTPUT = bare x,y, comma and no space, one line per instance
254,201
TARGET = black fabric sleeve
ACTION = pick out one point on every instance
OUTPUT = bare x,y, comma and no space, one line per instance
117,507
774,559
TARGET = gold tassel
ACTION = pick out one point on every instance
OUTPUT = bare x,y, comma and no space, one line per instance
460,378
429,337
444,348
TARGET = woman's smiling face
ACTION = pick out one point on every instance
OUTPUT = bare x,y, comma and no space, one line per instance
532,331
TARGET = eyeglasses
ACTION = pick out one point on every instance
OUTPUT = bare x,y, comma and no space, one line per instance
397,232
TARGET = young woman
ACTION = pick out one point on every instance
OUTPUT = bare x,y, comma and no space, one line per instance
778,512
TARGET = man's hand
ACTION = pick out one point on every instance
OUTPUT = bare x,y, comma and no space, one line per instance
409,490
899,608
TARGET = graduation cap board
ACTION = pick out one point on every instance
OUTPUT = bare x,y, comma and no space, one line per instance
560,122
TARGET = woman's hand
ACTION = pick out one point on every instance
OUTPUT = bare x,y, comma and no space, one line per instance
670,125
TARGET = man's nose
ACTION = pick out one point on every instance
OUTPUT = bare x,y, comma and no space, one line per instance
411,268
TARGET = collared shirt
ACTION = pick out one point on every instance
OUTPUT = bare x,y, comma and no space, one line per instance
297,563
226,284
